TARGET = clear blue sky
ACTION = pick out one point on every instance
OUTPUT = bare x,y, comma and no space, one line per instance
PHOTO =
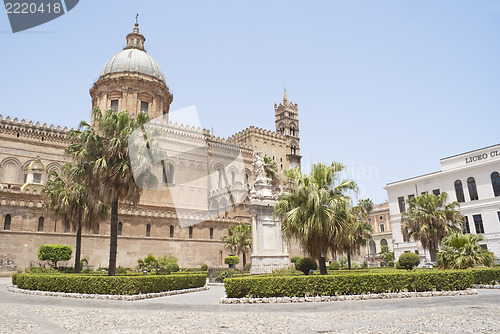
387,87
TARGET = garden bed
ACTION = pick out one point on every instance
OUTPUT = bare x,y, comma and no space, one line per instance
107,285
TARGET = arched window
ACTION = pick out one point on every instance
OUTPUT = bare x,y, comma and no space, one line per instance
459,191
6,223
67,226
120,228
293,150
168,173
40,224
171,231
246,178
211,233
220,178
495,182
148,230
471,183
373,247
233,178
383,243
190,232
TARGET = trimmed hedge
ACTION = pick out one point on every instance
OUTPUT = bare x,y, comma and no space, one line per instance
107,285
332,285
486,275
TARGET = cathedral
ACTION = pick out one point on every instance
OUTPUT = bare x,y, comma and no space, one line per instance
206,180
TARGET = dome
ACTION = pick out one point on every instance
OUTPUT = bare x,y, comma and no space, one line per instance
133,60
36,166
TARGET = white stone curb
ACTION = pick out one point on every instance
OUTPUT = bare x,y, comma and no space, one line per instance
485,286
13,288
279,300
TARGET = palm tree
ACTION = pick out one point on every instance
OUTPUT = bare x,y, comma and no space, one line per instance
271,168
239,239
73,203
314,211
355,233
366,205
461,251
102,152
429,219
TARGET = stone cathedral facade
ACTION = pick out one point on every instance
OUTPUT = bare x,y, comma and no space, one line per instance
206,183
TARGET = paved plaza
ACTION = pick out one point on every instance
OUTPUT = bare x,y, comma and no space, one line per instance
201,312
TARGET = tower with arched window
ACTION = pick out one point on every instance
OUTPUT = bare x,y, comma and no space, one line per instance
287,124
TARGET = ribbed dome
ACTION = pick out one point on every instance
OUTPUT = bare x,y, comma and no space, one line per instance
133,60
37,166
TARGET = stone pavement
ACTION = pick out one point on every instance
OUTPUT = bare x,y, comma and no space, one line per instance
200,312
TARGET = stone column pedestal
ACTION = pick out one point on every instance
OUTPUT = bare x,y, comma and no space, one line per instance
269,251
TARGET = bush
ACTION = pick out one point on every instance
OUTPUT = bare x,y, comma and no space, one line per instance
295,258
54,253
40,270
112,285
226,274
355,265
343,262
408,261
305,264
247,266
349,284
167,264
286,272
204,267
334,266
232,260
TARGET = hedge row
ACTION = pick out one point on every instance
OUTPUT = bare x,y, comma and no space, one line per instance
332,285
110,285
486,275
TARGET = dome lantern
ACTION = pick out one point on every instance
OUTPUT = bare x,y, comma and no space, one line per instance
135,40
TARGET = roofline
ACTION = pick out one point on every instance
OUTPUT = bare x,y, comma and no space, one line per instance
411,178
456,155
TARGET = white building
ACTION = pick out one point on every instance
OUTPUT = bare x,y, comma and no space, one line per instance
472,179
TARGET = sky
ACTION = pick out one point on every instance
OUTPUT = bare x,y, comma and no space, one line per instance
385,87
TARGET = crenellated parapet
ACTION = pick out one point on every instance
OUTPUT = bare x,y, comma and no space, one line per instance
241,137
24,129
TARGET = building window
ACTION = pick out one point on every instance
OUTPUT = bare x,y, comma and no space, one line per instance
168,173
471,183
190,232
293,150
148,230
436,192
6,223
114,105
37,178
246,178
495,182
40,224
423,193
381,218
211,233
382,228
498,213
144,107
484,247
383,243
401,201
369,220
233,178
466,226
373,247
459,191
96,229
171,231
405,234
411,196
478,223
120,228
66,226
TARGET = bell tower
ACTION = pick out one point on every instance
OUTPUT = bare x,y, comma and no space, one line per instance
287,124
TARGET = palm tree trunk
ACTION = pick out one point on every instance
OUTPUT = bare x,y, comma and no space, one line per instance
78,247
322,266
244,260
432,253
349,258
113,239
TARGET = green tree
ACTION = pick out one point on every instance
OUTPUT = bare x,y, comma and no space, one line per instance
314,210
73,203
366,206
54,253
461,251
239,239
305,264
387,257
354,234
102,153
429,219
271,168
408,261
